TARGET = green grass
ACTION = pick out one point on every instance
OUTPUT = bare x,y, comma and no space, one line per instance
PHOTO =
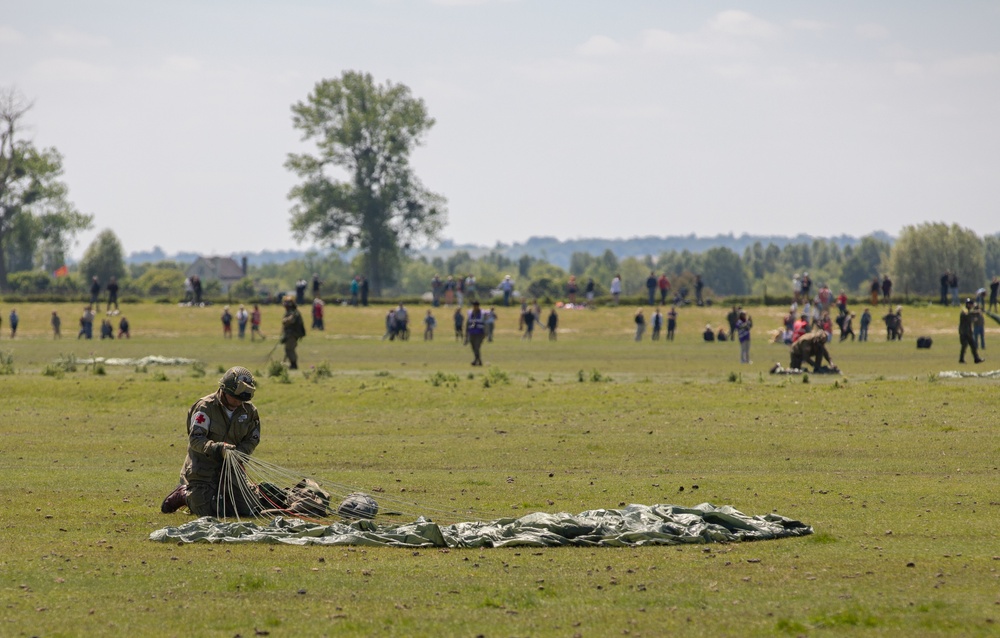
895,469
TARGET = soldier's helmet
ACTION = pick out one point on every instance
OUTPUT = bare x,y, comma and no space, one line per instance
358,505
288,301
238,382
968,301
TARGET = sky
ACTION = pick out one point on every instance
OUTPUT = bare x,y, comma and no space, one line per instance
572,119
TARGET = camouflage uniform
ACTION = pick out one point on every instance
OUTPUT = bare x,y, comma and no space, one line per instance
965,335
292,329
810,348
208,427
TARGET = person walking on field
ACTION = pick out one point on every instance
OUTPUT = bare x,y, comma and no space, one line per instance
966,322
227,323
475,332
255,324
743,325
640,324
292,330
994,288
651,285
429,324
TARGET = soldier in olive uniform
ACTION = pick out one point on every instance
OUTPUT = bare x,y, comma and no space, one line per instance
292,329
217,423
810,348
965,324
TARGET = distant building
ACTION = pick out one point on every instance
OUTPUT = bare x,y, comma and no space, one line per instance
225,270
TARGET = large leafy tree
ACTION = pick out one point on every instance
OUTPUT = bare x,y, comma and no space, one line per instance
925,251
364,133
104,258
37,222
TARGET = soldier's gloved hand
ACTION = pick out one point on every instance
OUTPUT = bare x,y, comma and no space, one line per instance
227,448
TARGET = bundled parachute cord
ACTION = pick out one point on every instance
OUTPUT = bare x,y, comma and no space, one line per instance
251,487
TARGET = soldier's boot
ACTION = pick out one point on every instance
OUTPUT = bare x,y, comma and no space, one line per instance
175,500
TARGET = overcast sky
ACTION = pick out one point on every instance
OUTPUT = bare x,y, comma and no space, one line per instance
570,118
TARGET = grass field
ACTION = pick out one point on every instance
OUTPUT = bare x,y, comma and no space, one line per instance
894,468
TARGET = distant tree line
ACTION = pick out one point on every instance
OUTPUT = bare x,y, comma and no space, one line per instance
915,262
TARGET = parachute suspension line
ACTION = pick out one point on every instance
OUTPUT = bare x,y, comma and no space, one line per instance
249,483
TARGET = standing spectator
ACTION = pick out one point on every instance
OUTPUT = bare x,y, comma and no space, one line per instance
491,323
242,317
459,321
95,291
402,321
429,324
847,327
842,303
589,291
657,322
292,330
317,314
664,285
994,287
86,324
640,324
616,288
188,290
944,287
14,320
316,283
699,285
436,290
460,290
953,286
651,288
300,291
355,290
112,294
470,286
875,288
475,332
866,319
571,289
123,328
552,323
56,325
743,325
978,328
227,323
732,317
807,283
671,323
364,291
965,332
390,325
887,290
797,289
507,288
529,323
449,290
255,324
196,284
981,298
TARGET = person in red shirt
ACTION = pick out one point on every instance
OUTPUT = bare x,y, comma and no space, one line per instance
800,328
664,285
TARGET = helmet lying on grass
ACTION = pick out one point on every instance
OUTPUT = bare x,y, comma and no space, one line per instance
358,505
